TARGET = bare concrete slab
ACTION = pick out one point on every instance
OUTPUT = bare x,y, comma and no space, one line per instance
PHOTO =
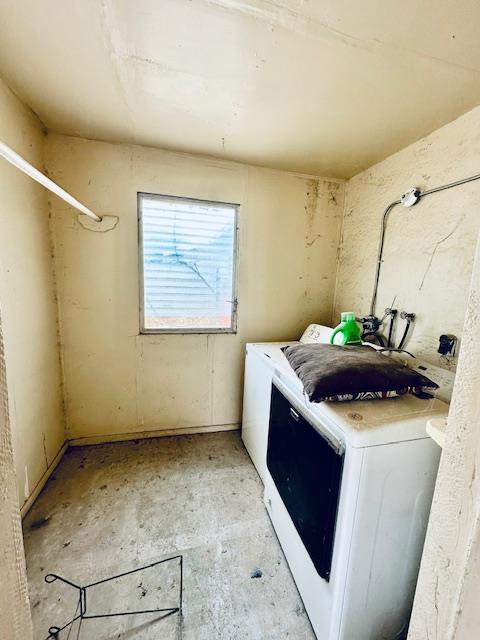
112,508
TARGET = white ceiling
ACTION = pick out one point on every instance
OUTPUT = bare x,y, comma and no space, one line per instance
318,86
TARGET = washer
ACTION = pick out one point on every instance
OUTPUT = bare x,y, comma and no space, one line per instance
348,488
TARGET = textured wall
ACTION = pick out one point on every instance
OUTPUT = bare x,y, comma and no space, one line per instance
27,297
446,603
15,622
429,248
118,382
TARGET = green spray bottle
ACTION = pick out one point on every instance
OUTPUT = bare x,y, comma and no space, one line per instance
348,328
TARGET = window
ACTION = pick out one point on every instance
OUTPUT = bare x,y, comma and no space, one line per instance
187,265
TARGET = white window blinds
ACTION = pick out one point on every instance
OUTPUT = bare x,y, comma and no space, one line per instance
187,250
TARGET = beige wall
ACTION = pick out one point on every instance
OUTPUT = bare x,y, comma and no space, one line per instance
446,602
15,622
118,382
28,303
429,248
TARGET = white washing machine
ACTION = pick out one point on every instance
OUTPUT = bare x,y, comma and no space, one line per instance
348,488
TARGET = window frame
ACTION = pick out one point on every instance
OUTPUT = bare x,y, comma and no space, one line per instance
232,329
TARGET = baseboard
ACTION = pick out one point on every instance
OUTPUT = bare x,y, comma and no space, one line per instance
141,435
25,508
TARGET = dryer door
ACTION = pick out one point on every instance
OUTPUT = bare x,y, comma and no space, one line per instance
307,472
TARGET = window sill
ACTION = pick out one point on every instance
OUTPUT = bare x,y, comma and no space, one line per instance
167,332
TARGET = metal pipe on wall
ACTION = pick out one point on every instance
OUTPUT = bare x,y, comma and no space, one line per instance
20,163
409,199
386,213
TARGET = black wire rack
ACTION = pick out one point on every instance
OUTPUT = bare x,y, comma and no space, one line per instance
81,611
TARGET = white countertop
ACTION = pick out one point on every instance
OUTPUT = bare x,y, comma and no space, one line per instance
436,428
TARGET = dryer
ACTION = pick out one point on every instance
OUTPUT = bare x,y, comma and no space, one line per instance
348,488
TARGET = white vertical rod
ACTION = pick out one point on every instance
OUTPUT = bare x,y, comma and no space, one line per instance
11,156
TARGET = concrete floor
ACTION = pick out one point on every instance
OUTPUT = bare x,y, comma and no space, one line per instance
111,508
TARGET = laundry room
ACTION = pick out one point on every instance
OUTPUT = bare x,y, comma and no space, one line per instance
239,319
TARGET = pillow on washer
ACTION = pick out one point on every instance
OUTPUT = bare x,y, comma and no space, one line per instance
352,372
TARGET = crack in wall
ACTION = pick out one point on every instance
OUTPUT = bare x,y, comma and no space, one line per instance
432,255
